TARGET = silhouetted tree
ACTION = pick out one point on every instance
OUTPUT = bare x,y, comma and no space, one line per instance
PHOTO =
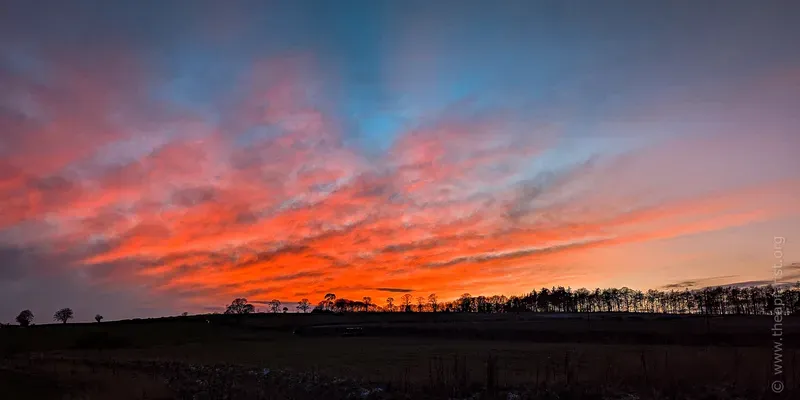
465,302
63,315
432,301
240,306
184,314
98,318
25,318
303,305
722,300
329,299
710,301
390,303
345,305
420,304
407,302
285,309
275,305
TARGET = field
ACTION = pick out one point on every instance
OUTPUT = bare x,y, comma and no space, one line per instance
401,355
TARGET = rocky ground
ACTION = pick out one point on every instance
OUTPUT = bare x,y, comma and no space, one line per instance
185,381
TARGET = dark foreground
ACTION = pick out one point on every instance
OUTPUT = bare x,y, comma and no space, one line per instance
401,356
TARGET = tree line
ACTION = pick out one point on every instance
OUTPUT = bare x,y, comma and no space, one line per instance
25,317
721,300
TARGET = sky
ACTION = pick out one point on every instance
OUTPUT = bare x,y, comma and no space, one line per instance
166,156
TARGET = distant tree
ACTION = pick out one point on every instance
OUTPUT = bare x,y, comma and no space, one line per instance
98,318
184,314
766,300
390,303
343,305
465,302
25,318
407,302
275,305
240,306
482,304
420,304
329,299
303,305
432,301
63,315
285,309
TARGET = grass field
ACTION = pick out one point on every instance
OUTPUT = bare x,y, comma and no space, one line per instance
400,356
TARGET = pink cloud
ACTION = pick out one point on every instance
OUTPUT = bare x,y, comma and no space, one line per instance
454,205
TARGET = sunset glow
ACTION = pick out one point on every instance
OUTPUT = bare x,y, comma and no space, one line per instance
172,159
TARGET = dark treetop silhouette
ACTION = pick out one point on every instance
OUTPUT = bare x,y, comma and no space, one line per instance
25,318
303,305
240,306
721,300
63,315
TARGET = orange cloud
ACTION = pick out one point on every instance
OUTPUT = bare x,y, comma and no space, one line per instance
456,205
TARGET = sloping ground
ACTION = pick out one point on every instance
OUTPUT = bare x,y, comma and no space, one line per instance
595,323
409,353
414,361
629,329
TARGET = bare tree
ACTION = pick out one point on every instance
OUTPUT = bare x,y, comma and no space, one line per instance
329,299
432,300
25,318
303,305
63,315
390,303
407,302
240,306
275,305
761,300
465,302
98,318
